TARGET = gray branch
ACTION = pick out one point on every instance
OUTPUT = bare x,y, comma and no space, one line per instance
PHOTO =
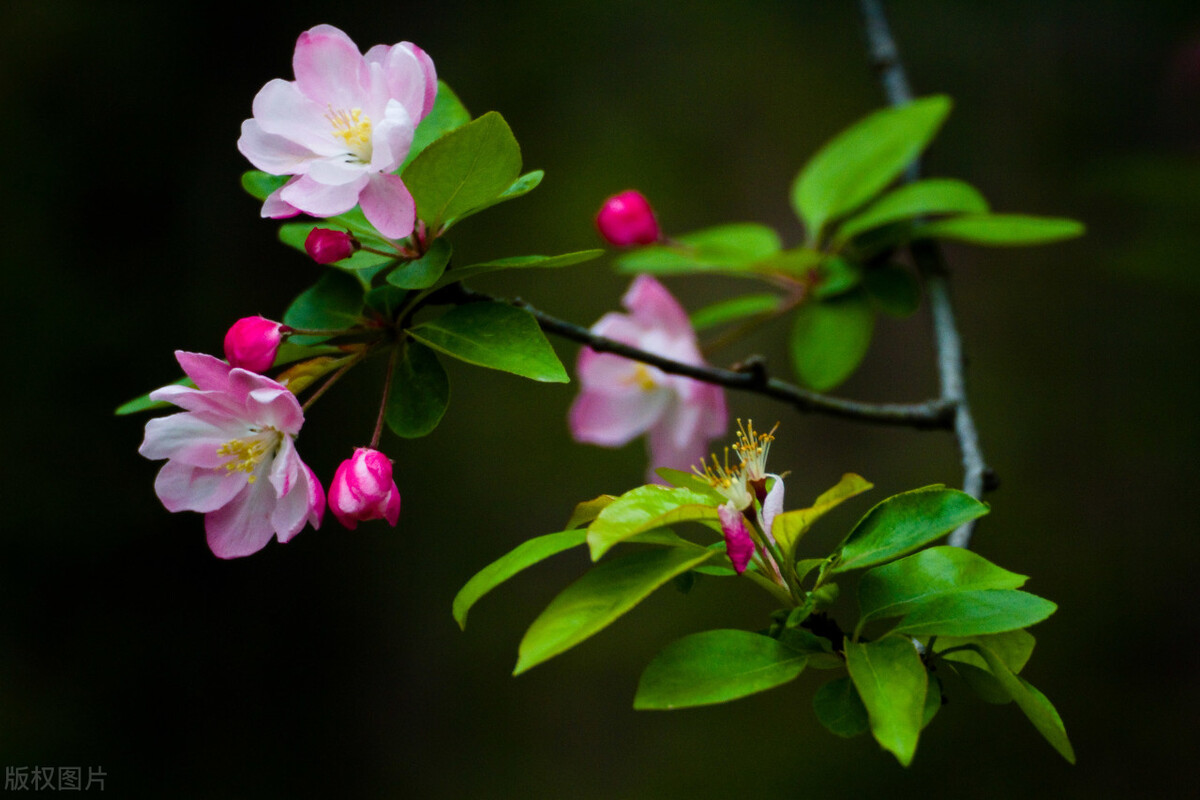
885,58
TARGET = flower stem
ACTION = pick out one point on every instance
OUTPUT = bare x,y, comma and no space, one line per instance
387,390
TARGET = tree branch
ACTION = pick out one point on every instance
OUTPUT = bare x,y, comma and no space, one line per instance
885,59
750,377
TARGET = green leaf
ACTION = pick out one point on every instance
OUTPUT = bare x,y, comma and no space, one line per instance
904,522
725,248
1013,647
494,335
447,114
426,270
840,709
521,557
734,309
788,527
259,184
420,392
920,198
464,170
894,589
933,701
974,612
645,508
334,302
891,680
859,162
836,276
691,481
1033,703
294,234
144,403
830,338
1000,230
893,290
519,188
603,594
588,510
715,667
386,300
462,273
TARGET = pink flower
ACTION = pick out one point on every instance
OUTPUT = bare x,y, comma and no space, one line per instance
627,219
230,456
252,343
325,246
622,399
363,489
738,544
341,128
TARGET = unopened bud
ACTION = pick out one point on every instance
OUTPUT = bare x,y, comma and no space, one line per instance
252,343
626,219
327,246
363,489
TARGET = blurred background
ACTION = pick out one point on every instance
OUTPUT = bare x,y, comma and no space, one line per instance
331,666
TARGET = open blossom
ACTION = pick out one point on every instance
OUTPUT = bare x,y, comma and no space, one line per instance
363,489
231,456
622,399
341,128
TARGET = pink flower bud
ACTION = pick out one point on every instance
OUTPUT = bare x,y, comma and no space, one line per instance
627,219
252,342
327,246
738,544
363,489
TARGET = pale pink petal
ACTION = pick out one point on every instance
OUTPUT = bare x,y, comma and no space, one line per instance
316,498
431,84
276,407
610,374
188,438
272,153
329,68
669,449
275,207
408,76
612,421
322,200
215,404
182,487
282,109
243,525
207,372
392,512
337,171
654,307
389,206
391,138
285,472
772,505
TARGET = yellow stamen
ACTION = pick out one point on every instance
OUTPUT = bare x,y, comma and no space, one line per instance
353,127
245,455
643,378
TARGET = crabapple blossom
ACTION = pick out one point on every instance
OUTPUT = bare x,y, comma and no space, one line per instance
341,128
326,246
363,489
622,399
252,342
231,456
627,219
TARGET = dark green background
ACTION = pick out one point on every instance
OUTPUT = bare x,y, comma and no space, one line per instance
331,666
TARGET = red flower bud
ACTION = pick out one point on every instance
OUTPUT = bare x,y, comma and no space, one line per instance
363,489
327,246
252,342
626,219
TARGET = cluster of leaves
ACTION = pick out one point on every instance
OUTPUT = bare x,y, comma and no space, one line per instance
924,611
401,292
846,271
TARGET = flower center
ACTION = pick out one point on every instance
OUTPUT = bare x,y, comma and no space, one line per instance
752,449
354,128
729,481
246,454
643,378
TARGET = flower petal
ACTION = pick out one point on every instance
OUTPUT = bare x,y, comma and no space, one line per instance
738,544
182,487
654,307
242,526
191,439
272,153
323,200
329,68
612,421
389,206
772,504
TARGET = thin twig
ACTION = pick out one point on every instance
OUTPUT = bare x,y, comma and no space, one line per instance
885,58
752,377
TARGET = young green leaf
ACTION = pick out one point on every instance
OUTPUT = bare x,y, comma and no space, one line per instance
1033,703
645,508
426,270
892,682
1000,230
420,392
893,290
725,248
519,188
836,276
603,594
463,170
447,114
521,557
494,335
588,510
894,589
144,403
1013,647
334,302
259,184
734,309
904,522
691,481
462,273
840,709
859,162
974,612
920,198
830,338
715,667
788,527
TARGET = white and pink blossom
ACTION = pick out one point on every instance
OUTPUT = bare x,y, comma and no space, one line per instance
341,128
231,456
623,399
